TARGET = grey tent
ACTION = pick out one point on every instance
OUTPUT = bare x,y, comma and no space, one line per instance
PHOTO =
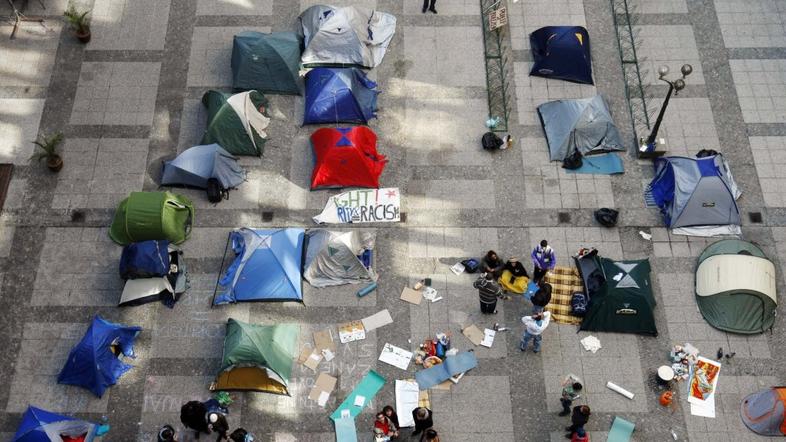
335,258
697,196
345,36
584,125
735,287
198,164
267,63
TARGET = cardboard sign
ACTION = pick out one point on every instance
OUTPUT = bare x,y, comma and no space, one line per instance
362,206
351,331
313,360
377,320
474,334
304,354
395,356
498,18
322,388
411,296
323,340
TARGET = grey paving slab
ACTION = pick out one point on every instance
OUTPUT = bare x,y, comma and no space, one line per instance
124,24
768,155
531,92
669,45
761,85
234,7
211,52
19,128
752,24
28,60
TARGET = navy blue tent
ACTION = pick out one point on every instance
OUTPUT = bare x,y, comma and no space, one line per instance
562,52
44,426
267,266
339,95
198,164
94,363
145,259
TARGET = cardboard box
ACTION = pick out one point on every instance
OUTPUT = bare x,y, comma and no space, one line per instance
351,331
313,360
474,334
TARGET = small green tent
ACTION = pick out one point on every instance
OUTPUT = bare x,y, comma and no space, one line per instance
236,122
735,287
620,295
267,63
152,216
257,357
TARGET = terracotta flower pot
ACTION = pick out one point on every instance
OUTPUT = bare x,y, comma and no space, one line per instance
84,37
54,163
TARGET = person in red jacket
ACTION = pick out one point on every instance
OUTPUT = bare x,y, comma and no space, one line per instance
384,426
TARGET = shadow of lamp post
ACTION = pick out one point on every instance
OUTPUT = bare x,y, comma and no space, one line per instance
647,147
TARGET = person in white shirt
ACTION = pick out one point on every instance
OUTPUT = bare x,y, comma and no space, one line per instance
533,329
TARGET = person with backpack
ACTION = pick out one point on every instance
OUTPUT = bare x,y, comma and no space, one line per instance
534,326
544,259
488,292
541,298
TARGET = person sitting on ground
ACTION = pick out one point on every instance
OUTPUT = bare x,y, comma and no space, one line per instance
241,435
167,434
491,263
217,422
430,435
541,298
423,419
391,414
514,277
384,428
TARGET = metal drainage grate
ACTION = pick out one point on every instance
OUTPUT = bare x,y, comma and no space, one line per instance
403,217
563,217
755,217
267,216
77,216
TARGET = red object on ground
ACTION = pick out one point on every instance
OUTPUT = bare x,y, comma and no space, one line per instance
346,157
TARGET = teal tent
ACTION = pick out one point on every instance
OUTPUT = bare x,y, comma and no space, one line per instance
236,122
267,63
735,287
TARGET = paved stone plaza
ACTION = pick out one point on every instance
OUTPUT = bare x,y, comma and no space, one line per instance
131,98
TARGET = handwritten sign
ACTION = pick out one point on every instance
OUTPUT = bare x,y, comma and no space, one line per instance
362,206
498,18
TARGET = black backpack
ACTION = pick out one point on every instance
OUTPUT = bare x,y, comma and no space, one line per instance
573,161
706,153
491,141
578,304
471,265
606,217
215,192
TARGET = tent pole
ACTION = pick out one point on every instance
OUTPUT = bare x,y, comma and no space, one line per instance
223,258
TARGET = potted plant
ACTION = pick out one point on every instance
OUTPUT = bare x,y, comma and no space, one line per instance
48,150
79,23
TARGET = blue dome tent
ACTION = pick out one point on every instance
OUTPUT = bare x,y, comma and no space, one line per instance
44,426
267,266
94,363
339,95
198,164
562,52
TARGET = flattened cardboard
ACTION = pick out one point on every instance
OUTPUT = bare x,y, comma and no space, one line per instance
313,360
304,354
411,296
377,320
351,331
324,385
474,334
323,339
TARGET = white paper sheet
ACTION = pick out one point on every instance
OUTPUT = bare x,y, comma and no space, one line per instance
360,400
488,337
395,356
407,395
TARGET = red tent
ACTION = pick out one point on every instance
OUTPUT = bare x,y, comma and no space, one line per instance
346,157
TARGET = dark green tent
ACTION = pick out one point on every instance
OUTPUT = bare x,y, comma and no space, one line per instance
620,295
257,357
267,63
147,216
236,122
735,287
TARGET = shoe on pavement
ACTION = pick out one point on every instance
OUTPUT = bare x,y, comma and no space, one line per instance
433,10
563,413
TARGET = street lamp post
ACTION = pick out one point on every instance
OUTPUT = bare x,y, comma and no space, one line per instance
675,86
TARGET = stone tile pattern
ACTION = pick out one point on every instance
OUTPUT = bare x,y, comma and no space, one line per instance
234,7
211,53
658,7
116,93
761,89
548,185
129,24
531,92
752,23
769,155
100,172
438,54
673,46
446,8
18,128
687,127
28,59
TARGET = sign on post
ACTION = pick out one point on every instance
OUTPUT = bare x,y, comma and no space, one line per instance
498,18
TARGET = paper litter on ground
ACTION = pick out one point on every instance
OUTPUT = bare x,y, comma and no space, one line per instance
377,320
488,337
407,398
702,386
323,339
304,354
328,355
395,356
591,343
412,296
359,401
457,268
323,386
473,333
313,360
351,331
430,293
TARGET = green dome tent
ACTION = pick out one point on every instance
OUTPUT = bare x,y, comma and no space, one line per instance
620,295
236,122
152,216
735,287
266,62
257,357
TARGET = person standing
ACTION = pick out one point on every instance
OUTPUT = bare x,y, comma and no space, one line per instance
423,419
430,435
578,419
541,298
426,6
533,329
193,416
488,292
544,259
571,390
